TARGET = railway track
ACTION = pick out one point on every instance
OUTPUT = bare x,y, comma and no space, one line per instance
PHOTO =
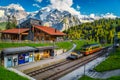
33,73
69,69
55,71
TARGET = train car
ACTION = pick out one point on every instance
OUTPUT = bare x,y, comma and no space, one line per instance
90,49
75,55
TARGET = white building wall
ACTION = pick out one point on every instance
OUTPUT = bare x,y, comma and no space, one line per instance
5,62
58,52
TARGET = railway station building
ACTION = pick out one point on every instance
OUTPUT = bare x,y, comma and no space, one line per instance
16,56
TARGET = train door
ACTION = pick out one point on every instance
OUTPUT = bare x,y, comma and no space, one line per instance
9,62
90,50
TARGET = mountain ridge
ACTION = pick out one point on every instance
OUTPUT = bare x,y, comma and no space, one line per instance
59,19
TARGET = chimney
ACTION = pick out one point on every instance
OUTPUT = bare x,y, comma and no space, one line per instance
55,30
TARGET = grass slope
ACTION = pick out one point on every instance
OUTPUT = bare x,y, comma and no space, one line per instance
9,75
89,78
8,45
111,63
80,43
65,45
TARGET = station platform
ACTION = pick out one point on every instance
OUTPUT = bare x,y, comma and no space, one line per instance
28,67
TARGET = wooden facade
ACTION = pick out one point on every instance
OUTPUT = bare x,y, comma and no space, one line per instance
41,36
14,34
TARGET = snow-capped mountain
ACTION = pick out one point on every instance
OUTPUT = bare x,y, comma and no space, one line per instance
12,9
58,18
61,20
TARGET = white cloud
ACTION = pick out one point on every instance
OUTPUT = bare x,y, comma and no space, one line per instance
16,6
38,1
78,7
109,15
36,5
64,5
92,15
106,16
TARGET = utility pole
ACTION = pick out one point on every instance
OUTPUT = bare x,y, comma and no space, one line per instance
19,32
84,69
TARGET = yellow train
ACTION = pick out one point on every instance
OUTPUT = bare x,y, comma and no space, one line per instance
90,49
85,50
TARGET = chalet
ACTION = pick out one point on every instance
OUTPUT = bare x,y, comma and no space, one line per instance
32,30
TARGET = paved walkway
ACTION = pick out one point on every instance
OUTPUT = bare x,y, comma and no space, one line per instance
48,61
103,75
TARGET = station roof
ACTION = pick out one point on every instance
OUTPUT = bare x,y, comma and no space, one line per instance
46,47
10,51
50,30
13,51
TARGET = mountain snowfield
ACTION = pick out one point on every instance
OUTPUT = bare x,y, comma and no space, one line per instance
12,9
54,17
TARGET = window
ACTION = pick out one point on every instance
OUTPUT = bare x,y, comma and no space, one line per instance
9,59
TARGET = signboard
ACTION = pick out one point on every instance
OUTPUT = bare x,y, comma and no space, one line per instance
23,58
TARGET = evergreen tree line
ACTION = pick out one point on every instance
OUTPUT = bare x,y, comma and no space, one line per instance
12,22
102,30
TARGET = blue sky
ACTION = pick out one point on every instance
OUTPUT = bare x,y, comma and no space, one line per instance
86,7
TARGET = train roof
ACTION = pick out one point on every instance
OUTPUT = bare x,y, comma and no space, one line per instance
89,45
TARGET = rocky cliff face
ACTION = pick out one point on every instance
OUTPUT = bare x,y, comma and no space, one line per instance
58,19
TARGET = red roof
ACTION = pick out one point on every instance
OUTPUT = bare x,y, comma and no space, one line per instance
50,30
15,31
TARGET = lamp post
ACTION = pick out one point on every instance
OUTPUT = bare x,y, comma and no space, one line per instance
53,47
84,69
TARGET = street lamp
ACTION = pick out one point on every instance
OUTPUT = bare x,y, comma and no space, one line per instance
84,69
